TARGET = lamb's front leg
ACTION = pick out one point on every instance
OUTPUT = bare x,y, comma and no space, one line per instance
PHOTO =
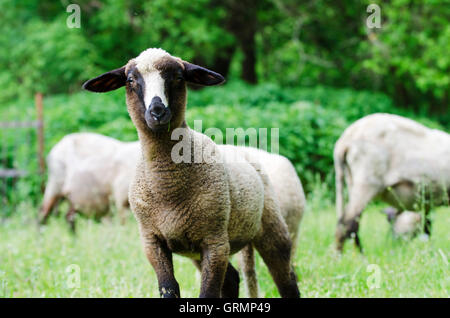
214,262
160,257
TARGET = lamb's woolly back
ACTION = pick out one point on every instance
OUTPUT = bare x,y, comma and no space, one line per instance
284,179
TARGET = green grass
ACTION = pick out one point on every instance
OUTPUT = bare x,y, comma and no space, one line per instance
112,264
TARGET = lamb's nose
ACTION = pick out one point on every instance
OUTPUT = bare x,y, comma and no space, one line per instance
156,99
157,108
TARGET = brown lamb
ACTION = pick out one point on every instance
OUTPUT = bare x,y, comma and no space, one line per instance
204,210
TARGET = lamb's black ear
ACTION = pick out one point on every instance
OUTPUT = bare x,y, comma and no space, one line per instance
201,76
107,82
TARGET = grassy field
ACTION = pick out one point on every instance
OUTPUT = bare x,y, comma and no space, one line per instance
111,263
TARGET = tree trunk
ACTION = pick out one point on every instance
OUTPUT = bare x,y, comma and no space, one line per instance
248,64
222,62
242,23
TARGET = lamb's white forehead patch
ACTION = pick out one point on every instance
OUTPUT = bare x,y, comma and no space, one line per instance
153,82
146,60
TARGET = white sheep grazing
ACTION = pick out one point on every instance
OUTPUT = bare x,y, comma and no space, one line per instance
395,158
291,199
89,169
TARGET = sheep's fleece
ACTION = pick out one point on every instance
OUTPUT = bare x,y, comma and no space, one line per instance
285,182
384,150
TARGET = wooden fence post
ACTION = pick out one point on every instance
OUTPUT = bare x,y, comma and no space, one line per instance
40,133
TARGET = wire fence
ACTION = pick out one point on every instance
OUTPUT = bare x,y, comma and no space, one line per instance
22,162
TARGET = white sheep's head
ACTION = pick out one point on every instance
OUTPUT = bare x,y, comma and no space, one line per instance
404,224
155,84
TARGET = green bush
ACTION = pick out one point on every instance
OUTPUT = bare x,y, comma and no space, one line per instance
307,132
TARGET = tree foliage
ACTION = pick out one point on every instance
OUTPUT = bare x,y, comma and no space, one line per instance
290,42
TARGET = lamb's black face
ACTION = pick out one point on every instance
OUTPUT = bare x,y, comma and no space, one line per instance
157,89
158,81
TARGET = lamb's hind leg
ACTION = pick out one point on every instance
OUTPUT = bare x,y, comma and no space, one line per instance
247,264
214,263
274,246
230,287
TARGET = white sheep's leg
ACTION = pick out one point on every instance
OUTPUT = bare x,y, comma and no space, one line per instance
160,257
56,208
122,208
214,263
247,264
121,212
70,217
122,216
427,223
360,195
47,208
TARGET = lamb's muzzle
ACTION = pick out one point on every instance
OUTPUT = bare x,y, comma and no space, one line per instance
157,114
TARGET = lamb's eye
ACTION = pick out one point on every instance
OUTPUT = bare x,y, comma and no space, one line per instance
179,78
